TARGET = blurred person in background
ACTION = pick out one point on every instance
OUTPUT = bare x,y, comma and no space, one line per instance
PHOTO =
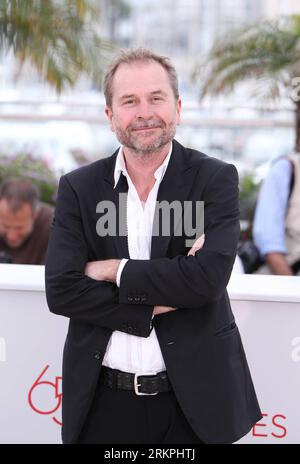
24,223
276,228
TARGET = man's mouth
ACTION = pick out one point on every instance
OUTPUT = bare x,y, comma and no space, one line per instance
141,129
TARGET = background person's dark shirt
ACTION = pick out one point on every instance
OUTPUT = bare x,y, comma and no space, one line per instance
33,250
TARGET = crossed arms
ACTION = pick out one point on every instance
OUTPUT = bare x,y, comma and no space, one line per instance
107,270
86,292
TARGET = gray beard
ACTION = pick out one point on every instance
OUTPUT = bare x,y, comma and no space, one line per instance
142,148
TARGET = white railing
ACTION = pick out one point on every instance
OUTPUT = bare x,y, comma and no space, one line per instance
267,311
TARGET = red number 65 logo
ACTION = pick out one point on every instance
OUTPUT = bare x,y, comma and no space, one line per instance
57,394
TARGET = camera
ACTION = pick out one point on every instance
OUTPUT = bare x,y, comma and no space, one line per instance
250,256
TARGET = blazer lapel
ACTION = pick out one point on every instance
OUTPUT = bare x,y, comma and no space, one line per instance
113,194
175,186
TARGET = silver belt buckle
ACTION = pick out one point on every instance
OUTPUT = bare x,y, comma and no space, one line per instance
137,385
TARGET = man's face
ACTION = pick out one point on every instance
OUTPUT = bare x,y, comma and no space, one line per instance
144,111
15,227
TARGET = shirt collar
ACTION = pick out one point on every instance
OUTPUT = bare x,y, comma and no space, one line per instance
120,166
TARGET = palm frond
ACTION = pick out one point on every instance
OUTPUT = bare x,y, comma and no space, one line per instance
267,53
58,38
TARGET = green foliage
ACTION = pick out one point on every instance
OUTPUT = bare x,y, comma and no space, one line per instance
249,189
267,52
36,170
59,38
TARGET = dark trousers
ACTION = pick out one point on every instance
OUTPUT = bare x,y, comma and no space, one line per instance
119,416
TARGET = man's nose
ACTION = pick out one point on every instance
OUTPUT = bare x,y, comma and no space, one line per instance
144,110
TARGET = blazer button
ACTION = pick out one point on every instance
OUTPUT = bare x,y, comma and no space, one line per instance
130,299
137,299
98,355
130,329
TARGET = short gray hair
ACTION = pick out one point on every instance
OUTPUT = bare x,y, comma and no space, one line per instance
140,54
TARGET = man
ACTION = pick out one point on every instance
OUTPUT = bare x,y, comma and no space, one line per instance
276,227
24,223
153,354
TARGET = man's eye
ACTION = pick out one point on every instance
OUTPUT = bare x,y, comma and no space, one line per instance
128,102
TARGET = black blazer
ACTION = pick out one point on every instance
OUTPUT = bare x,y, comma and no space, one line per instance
200,342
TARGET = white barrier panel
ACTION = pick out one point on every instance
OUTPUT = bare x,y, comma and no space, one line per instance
31,341
267,311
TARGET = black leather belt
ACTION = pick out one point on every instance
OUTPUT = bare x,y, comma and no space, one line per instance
145,384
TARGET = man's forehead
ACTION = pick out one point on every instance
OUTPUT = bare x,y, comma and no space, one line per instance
125,74
24,211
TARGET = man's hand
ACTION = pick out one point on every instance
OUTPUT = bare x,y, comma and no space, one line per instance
162,309
197,245
278,264
103,270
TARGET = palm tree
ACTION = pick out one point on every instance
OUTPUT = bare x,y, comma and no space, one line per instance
58,37
116,11
267,52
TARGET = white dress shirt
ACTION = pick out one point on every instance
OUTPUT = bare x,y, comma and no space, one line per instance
126,352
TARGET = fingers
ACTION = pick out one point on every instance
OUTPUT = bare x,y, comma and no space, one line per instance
162,309
197,245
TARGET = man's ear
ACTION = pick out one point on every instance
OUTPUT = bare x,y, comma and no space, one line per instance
178,112
109,114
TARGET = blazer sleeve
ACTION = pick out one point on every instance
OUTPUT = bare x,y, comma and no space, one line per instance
72,294
193,281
